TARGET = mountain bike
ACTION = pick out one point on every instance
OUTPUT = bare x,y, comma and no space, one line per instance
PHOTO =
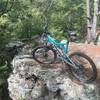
80,65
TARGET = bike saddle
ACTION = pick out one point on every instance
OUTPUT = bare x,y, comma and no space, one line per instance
71,35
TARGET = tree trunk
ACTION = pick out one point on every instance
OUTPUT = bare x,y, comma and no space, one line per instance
94,24
91,23
89,26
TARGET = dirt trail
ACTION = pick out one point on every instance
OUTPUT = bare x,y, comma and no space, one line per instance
92,51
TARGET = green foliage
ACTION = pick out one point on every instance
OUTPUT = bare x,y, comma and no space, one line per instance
26,17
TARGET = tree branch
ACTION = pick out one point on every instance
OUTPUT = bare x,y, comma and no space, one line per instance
6,5
3,10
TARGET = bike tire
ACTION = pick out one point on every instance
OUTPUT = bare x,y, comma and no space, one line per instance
48,48
90,61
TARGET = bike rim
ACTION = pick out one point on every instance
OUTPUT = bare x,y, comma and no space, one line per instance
44,55
84,71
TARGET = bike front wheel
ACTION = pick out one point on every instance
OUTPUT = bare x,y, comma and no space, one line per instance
86,70
44,54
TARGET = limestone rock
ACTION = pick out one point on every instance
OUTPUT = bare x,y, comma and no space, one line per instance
45,83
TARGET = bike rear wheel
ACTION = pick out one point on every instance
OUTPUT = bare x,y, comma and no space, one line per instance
86,70
44,54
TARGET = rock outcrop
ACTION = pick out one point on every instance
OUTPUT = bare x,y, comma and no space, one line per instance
32,81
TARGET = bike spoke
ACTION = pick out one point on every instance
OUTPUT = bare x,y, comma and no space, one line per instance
44,55
85,67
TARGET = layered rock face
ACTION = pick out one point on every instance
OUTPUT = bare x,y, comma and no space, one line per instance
32,81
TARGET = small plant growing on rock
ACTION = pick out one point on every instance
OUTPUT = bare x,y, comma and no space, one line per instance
21,98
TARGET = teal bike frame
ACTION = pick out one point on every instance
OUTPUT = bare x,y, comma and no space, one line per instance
63,46
60,48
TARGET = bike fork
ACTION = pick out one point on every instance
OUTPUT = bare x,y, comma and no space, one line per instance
70,63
